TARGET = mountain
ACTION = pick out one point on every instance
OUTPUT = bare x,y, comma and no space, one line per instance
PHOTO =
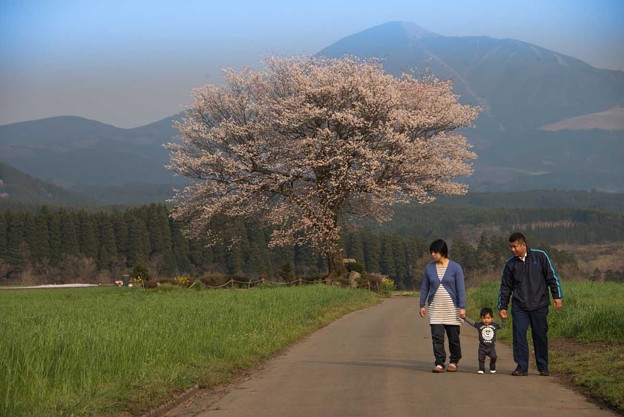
606,120
548,121
19,189
526,93
517,84
72,150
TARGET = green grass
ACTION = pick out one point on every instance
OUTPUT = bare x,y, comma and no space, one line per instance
119,351
586,336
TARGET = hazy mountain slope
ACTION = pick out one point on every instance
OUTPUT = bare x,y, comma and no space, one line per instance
522,88
72,150
519,84
612,119
17,188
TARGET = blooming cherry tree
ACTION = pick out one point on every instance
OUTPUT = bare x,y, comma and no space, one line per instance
308,145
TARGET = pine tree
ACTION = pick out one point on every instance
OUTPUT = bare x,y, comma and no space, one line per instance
372,252
40,248
15,243
120,228
55,237
86,235
107,250
138,238
69,236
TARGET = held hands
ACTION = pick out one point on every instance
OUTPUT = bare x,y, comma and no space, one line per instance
503,314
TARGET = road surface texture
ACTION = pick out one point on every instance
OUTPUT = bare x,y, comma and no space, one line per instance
377,363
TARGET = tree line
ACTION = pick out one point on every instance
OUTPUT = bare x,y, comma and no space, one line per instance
61,245
554,225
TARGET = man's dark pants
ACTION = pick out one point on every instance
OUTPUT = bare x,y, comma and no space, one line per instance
538,320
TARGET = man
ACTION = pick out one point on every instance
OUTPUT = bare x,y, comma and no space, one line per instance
527,276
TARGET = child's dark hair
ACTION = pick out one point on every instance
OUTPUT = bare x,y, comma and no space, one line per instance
486,311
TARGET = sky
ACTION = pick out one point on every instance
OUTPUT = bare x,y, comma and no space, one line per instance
129,63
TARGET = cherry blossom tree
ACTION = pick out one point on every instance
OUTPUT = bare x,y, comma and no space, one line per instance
309,145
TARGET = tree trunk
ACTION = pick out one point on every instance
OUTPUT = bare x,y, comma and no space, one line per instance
335,265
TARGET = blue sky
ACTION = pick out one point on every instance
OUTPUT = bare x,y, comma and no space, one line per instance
132,62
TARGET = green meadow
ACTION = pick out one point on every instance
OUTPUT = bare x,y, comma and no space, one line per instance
120,351
586,337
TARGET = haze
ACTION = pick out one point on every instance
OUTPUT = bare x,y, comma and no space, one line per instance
130,63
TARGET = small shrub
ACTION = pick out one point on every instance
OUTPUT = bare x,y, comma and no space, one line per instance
214,280
355,266
182,281
386,287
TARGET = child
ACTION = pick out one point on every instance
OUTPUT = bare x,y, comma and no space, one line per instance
487,338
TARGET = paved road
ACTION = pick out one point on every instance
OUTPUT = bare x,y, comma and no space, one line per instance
377,363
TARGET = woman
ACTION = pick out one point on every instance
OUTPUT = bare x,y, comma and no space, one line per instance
444,292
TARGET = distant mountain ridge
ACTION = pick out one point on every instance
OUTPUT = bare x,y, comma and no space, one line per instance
71,150
517,83
527,137
17,189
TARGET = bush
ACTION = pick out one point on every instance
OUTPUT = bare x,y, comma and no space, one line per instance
386,287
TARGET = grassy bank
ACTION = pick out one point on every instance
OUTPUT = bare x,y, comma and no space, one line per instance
586,336
116,351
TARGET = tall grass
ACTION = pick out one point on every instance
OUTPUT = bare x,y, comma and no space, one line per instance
592,311
586,336
112,351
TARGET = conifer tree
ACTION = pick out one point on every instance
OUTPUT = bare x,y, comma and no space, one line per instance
87,239
69,241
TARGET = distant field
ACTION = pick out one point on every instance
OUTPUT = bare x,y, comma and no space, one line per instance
115,351
586,336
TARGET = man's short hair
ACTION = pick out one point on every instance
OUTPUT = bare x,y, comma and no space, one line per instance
517,237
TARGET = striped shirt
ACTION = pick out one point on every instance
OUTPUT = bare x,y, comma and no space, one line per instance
442,310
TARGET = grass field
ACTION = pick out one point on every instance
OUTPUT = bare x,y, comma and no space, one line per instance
586,336
120,351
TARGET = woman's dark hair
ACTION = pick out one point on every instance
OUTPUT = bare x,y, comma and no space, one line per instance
486,311
440,247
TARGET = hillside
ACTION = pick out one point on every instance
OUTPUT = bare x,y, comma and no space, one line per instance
548,121
18,189
520,87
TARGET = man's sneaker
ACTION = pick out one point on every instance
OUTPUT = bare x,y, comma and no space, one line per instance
519,372
492,371
480,371
452,367
544,372
438,369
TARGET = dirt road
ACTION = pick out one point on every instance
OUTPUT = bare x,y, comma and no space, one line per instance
377,363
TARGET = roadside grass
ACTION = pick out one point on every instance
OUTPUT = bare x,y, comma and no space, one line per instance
122,351
586,337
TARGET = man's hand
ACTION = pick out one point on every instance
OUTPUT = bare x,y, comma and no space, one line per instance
558,303
503,314
422,312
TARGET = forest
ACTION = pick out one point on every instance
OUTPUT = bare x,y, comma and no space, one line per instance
63,245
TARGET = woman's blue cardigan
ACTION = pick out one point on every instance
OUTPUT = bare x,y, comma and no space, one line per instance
453,281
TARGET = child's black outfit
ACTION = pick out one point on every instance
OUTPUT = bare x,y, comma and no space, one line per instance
487,342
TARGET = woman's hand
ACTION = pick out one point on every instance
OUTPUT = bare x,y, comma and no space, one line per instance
422,312
462,313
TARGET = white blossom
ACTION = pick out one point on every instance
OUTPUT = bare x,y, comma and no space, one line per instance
309,144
